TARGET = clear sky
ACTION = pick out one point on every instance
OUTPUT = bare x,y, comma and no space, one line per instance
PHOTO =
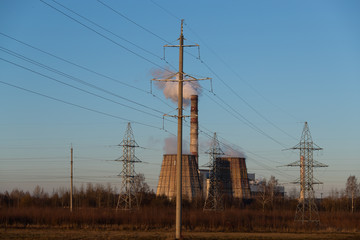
75,72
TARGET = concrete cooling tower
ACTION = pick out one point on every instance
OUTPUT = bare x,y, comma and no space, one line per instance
234,177
191,187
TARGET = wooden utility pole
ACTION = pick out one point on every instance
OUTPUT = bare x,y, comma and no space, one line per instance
71,181
179,138
179,77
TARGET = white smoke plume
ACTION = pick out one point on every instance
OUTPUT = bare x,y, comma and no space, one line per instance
234,152
229,149
170,89
170,146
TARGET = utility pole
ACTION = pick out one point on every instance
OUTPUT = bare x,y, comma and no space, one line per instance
179,77
71,181
179,138
306,210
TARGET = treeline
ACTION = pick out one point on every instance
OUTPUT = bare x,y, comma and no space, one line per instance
89,196
100,196
94,206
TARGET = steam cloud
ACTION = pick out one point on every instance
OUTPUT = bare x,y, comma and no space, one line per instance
234,153
229,151
170,89
170,146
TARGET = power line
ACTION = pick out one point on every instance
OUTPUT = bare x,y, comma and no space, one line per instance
248,122
237,75
167,11
247,151
74,79
246,102
254,160
128,19
232,70
243,119
111,32
78,106
88,92
109,39
242,99
32,158
72,63
142,27
85,68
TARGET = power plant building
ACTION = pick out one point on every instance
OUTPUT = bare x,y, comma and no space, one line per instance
234,177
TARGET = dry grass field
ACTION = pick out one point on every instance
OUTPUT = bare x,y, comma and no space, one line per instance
26,216
53,233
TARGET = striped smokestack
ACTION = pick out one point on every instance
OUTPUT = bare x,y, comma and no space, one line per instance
194,128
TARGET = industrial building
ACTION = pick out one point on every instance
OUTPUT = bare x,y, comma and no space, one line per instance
256,186
195,181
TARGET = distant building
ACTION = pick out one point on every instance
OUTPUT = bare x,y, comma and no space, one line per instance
234,178
256,186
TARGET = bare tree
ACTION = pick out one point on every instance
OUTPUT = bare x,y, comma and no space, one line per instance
141,187
16,195
352,190
272,186
38,192
293,193
263,196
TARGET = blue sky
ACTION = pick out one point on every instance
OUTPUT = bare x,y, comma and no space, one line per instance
273,64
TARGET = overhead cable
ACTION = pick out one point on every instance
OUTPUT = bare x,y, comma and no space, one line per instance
78,106
102,35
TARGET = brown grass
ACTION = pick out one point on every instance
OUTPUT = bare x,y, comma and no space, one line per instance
42,234
151,218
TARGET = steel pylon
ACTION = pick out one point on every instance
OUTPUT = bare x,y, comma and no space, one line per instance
214,199
127,198
306,210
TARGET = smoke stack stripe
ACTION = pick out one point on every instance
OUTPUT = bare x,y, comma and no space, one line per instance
194,128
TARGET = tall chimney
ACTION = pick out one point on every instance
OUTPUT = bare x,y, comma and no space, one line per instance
194,128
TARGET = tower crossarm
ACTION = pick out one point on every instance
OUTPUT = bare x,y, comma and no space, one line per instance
173,78
316,181
308,147
134,159
319,164
294,164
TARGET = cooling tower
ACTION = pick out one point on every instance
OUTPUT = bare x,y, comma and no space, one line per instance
234,177
194,132
191,187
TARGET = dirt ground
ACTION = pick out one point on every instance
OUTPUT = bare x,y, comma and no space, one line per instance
43,234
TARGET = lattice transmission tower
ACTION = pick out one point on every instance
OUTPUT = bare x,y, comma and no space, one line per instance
307,211
127,197
214,199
